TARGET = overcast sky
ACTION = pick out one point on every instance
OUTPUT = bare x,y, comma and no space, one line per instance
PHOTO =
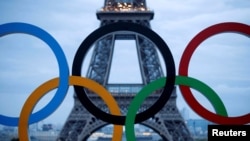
222,62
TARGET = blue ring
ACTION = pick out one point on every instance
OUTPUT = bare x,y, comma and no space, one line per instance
11,28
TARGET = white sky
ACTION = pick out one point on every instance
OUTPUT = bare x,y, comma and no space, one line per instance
221,61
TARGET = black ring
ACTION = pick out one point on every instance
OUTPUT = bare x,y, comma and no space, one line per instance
151,35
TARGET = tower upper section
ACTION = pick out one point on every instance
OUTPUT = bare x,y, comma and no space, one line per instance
116,10
125,5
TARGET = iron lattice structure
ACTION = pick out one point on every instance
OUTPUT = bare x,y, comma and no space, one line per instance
168,123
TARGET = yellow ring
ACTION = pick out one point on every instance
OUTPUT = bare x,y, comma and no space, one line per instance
52,84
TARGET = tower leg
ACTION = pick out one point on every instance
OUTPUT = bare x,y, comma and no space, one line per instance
168,123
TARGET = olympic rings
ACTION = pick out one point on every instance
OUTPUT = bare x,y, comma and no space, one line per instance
144,31
159,83
73,80
63,70
183,70
183,80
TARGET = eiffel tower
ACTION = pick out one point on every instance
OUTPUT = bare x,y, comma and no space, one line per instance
168,123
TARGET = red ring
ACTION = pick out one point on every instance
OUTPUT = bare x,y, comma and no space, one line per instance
183,70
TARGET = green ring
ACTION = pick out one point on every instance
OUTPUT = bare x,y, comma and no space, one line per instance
159,83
